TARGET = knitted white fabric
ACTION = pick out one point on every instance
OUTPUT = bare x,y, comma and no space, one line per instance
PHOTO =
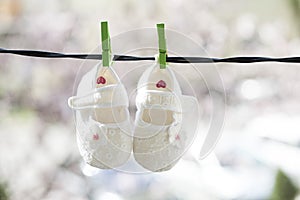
158,147
102,145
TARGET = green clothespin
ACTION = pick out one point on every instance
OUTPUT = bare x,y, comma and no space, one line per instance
162,58
106,48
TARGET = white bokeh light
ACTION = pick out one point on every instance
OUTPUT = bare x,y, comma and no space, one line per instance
251,89
88,170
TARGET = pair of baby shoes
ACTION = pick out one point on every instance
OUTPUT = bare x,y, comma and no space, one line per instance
164,125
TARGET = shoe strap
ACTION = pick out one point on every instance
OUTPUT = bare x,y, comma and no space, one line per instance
152,99
104,97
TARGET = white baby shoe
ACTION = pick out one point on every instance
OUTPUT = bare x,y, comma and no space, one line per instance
166,121
104,133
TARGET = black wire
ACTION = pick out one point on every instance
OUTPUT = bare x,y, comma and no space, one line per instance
47,54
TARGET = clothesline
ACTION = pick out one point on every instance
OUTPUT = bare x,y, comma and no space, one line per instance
240,59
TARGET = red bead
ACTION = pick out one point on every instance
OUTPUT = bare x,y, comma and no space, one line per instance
95,136
161,84
177,137
101,80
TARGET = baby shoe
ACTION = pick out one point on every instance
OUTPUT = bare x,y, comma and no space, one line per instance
166,120
102,119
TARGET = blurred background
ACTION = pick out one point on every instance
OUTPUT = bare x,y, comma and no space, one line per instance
258,155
